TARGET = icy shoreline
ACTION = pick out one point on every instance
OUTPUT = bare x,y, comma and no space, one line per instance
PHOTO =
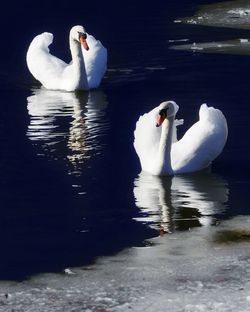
205,269
232,14
229,14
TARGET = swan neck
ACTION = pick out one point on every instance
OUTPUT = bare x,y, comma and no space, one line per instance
78,64
165,146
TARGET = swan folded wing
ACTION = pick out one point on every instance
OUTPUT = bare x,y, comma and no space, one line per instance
44,66
95,61
202,143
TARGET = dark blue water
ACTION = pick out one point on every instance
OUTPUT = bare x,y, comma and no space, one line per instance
67,163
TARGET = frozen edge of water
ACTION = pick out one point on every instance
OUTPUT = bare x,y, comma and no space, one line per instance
229,14
238,46
184,271
232,14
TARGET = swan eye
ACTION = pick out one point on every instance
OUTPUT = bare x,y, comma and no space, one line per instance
163,112
83,35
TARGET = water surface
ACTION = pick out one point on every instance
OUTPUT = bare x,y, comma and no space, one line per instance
71,187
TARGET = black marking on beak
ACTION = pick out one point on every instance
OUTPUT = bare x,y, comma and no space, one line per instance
164,112
82,34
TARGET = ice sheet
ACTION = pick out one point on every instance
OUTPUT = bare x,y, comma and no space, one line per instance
205,269
238,46
232,14
229,14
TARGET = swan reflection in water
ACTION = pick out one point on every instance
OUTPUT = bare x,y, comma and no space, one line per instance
67,125
180,202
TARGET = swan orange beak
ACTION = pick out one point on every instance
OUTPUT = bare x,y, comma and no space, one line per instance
159,120
84,43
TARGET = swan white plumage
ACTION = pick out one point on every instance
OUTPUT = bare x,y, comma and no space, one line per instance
160,152
89,62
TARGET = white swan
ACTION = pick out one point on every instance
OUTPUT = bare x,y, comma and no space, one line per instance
159,151
89,61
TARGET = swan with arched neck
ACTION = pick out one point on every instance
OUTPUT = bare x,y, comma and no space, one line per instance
84,72
160,152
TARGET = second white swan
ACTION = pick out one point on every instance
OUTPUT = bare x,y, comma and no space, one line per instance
89,62
160,152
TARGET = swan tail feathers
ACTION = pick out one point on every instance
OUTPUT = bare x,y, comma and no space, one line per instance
177,122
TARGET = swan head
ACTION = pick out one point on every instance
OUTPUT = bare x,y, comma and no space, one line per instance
166,110
79,34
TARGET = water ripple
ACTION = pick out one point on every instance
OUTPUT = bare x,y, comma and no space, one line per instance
67,126
180,202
